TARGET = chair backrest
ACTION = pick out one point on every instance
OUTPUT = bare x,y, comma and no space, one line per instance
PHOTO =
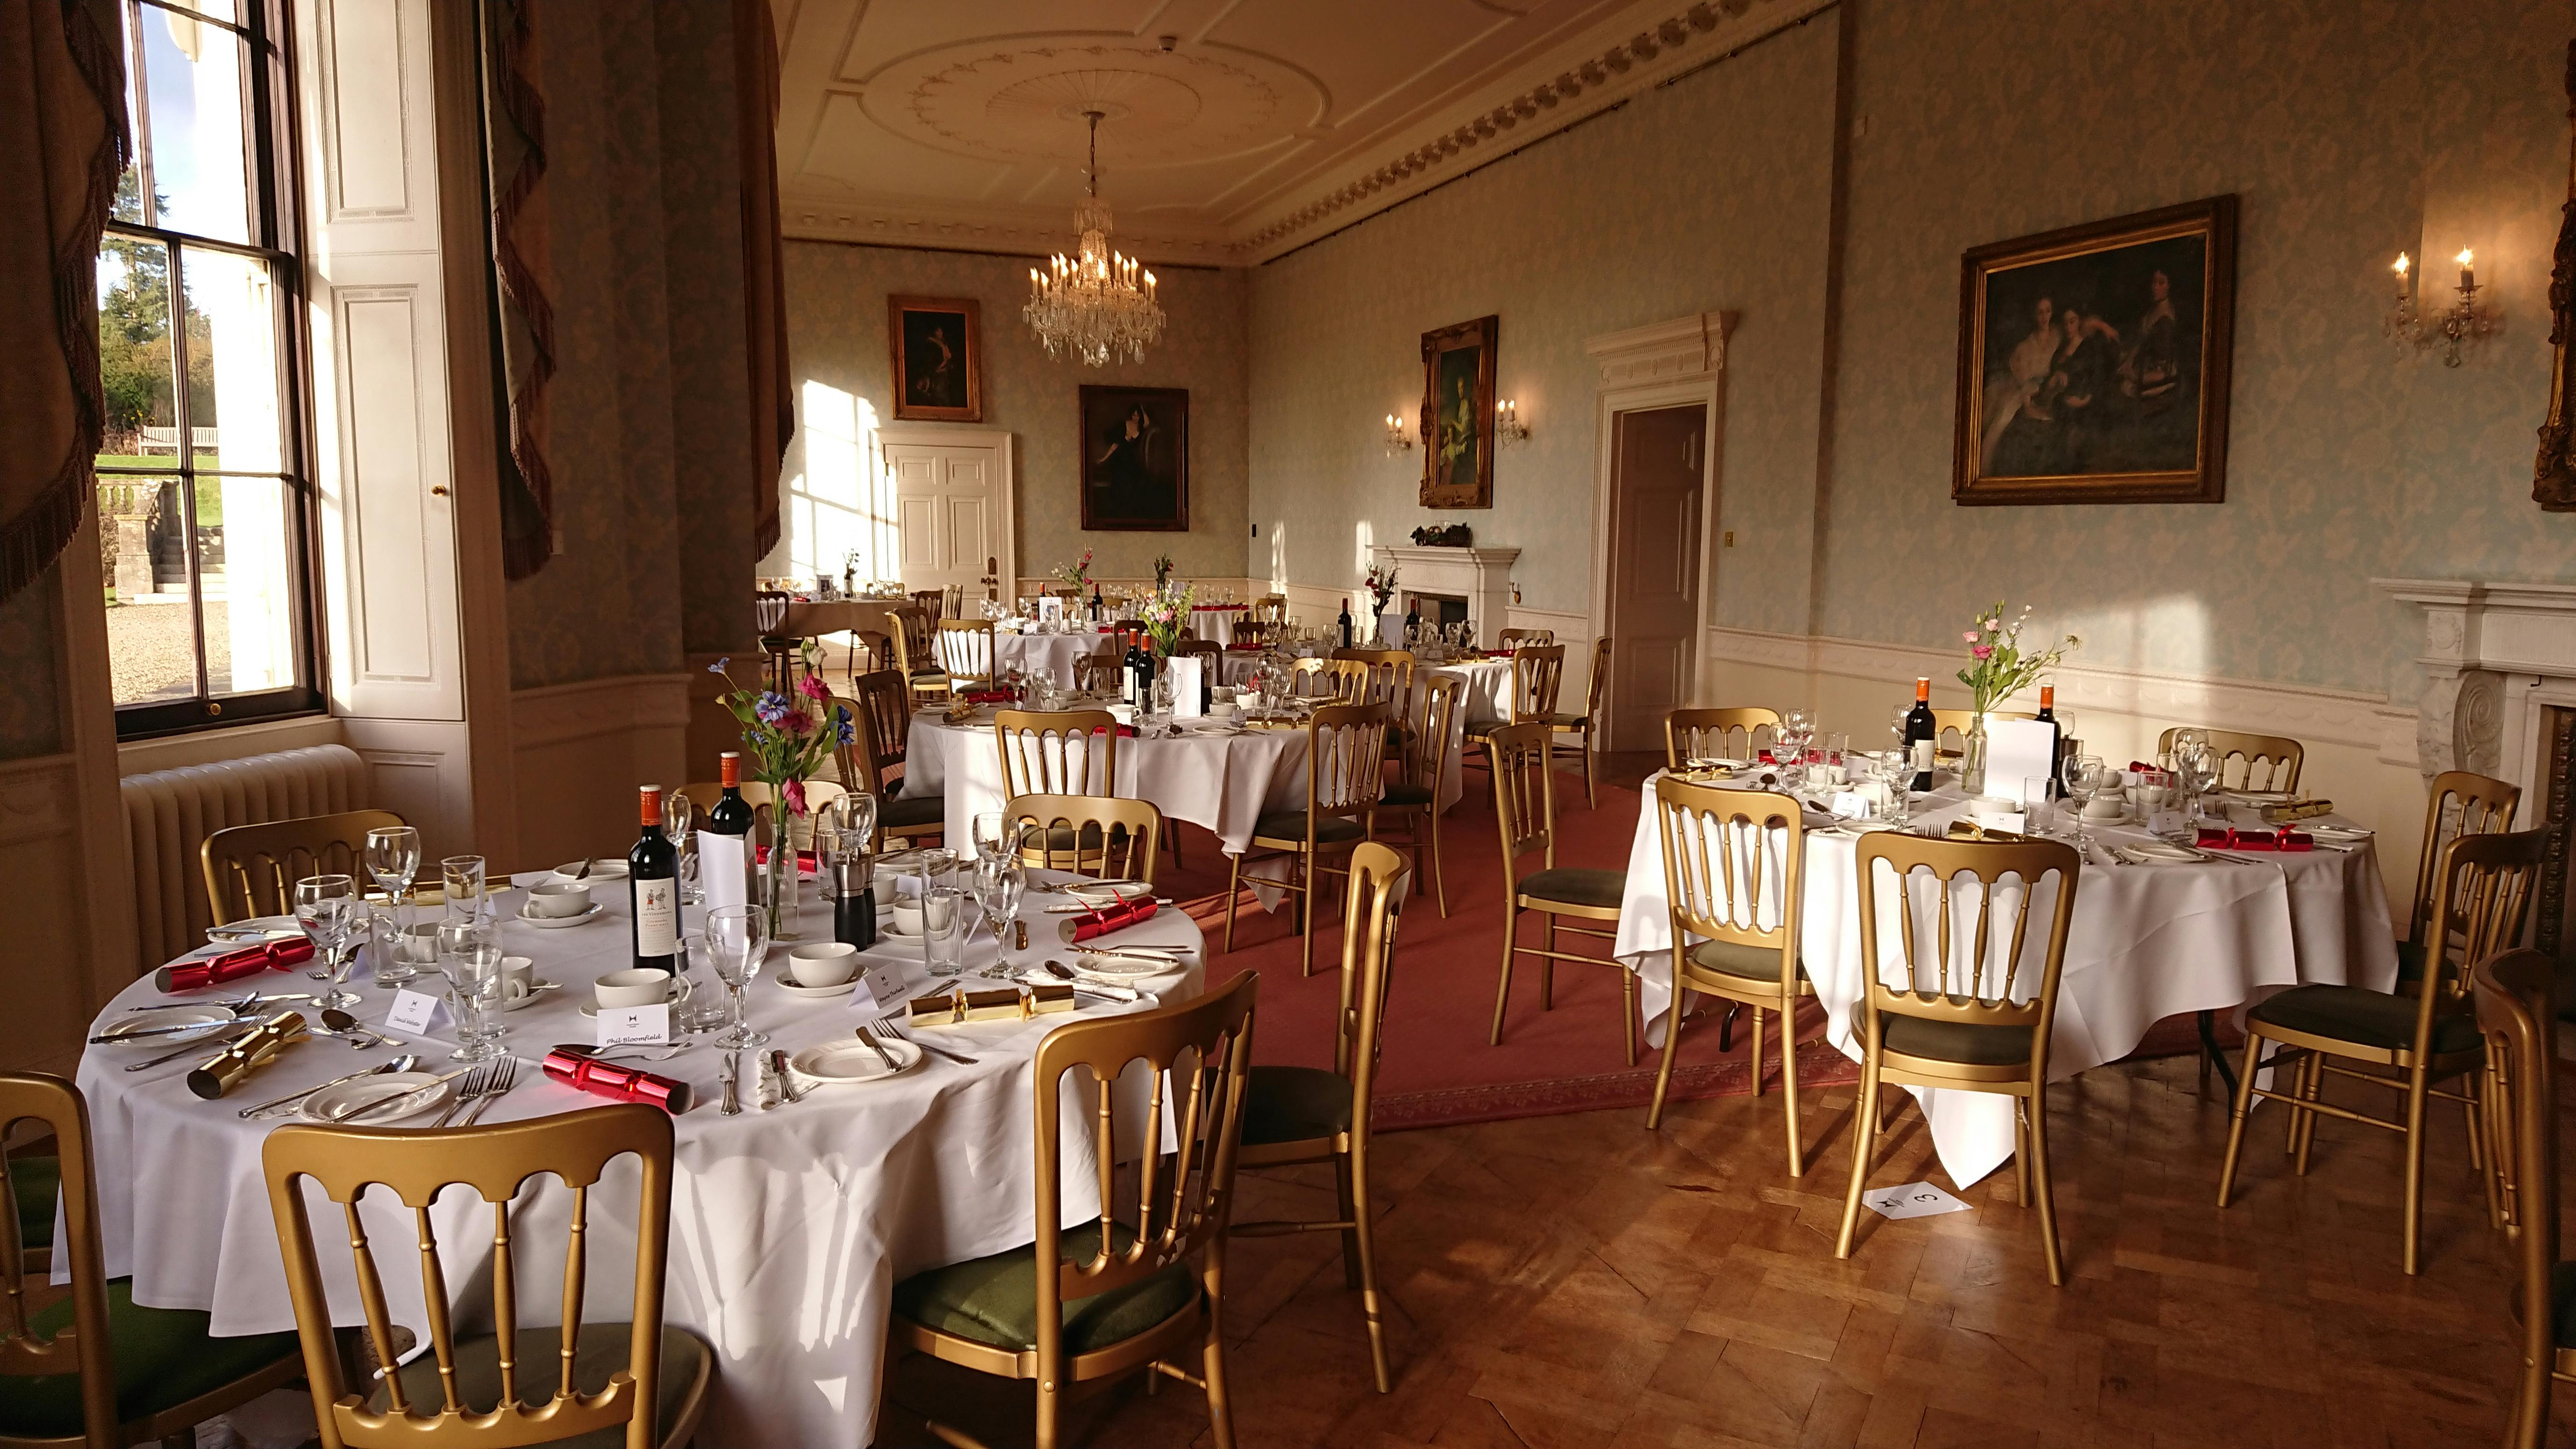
1205,648
1105,837
1098,669
87,1346
1596,687
884,733
1374,900
1979,972
1726,854
1346,758
966,650
1515,638
2459,804
1345,680
1524,793
935,601
1271,609
2482,897
1537,671
2514,995
1711,734
251,870
1256,631
915,629
2247,761
1431,732
1390,671
1057,752
1200,1053
769,609
416,1166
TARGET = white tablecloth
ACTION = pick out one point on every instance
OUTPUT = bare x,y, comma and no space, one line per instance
789,1227
1487,696
2146,942
1050,655
1215,621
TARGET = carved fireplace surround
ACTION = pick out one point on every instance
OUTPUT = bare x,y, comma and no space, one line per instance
2497,658
1481,576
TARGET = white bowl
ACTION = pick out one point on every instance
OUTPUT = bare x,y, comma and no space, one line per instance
822,964
557,899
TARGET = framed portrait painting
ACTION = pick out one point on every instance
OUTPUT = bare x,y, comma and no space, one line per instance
1457,423
2093,361
938,347
1136,459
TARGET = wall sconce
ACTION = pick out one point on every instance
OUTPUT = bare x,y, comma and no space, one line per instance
1397,439
1508,427
2465,322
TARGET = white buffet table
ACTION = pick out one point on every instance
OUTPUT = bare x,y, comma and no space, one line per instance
789,1228
2147,942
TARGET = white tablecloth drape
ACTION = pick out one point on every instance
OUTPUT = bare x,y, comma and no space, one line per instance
789,1228
1487,696
1215,621
1049,655
2146,942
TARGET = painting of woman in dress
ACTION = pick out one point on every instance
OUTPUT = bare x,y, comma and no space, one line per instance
2093,362
1458,415
1136,459
938,358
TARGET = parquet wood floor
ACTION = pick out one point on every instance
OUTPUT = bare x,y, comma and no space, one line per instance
1575,1282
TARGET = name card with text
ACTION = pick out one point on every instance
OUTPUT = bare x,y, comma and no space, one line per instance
414,1013
880,991
628,1025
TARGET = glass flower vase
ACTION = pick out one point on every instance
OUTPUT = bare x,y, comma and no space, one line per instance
778,882
1972,764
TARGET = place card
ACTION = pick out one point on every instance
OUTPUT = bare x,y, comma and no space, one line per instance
1852,805
625,1025
1187,670
1911,1200
724,868
880,990
416,1012
2018,750
2167,822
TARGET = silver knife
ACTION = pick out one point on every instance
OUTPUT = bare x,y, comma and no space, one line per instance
395,1065
149,1032
402,1098
729,1071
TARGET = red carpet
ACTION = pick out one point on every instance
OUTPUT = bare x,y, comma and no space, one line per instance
1437,1065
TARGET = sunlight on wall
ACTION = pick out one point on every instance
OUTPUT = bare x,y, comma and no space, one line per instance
1363,541
840,507
2169,634
1279,555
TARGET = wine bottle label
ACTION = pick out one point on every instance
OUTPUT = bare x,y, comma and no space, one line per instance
657,918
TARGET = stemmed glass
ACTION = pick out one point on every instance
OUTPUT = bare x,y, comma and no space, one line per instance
469,956
393,858
737,937
2082,777
680,827
462,881
999,882
1797,727
324,907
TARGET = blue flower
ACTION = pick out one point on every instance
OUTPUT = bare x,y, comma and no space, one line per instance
719,666
848,732
770,708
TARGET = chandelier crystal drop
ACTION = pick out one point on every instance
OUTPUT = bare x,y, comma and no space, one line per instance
1099,304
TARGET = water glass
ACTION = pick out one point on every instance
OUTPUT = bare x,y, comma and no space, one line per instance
1896,777
737,939
1000,881
2034,796
325,906
943,930
462,880
987,833
393,858
469,956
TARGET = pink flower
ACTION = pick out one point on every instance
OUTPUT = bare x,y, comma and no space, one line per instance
797,722
794,790
1984,651
1970,636
812,688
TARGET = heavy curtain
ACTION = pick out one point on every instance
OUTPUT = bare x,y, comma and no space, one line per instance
764,287
63,141
514,130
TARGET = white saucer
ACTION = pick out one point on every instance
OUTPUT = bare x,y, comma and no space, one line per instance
817,993
590,1009
202,1021
1117,968
536,990
848,1062
599,870
386,1086
557,923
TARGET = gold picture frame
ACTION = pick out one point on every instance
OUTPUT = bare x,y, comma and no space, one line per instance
1457,422
2553,473
938,353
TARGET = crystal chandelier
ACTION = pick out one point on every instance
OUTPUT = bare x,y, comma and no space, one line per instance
1099,304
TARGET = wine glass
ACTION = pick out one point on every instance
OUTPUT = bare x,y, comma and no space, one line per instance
324,907
462,880
988,834
393,858
737,938
2082,777
999,882
680,827
469,956
1797,727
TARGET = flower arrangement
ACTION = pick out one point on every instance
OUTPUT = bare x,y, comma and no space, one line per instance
1162,573
1381,585
1075,575
786,737
1998,668
1166,613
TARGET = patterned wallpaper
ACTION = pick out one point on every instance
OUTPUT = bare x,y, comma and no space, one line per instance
1710,194
836,300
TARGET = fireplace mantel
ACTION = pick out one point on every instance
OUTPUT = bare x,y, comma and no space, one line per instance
2496,657
1481,576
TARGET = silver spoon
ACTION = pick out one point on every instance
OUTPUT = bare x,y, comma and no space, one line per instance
1062,972
402,1063
336,1022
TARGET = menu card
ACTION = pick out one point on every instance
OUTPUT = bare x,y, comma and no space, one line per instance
1186,672
2018,750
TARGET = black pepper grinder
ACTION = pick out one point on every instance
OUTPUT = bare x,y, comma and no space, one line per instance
853,884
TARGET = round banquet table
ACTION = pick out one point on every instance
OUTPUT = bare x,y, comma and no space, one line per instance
1487,696
1216,621
2147,942
789,1227
1047,655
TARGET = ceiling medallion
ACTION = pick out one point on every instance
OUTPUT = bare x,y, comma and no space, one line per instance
1099,304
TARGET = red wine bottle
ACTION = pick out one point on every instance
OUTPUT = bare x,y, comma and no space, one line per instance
724,844
1920,734
653,886
2056,735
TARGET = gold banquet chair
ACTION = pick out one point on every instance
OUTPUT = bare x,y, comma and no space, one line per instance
1108,1304
1713,734
966,653
1116,836
2247,761
1967,1025
1719,866
916,652
1594,693
1345,761
251,870
2458,803
84,1364
636,1383
1414,795
1306,1114
884,738
1538,671
2409,1042
2513,995
1525,813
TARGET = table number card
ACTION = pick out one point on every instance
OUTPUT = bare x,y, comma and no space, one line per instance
880,990
1854,804
2018,750
2167,822
626,1025
416,1012
1187,670
1911,1200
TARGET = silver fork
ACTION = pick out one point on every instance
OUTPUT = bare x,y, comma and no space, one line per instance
505,1075
884,1028
475,1084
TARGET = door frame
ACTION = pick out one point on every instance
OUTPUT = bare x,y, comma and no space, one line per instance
1643,369
970,435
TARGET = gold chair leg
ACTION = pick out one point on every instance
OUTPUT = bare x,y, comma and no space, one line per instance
1212,1363
2021,1152
2312,1089
2483,1156
2414,1169
1628,1010
1664,1070
1789,1086
1366,1238
1349,1208
2047,1193
1503,992
1547,964
1233,890
1757,1051
1439,882
1306,947
1590,798
2236,1123
2529,1426
1864,1135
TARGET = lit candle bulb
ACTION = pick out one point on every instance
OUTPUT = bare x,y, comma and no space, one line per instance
2399,267
2468,274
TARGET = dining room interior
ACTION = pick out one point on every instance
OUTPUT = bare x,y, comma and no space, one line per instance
1285,722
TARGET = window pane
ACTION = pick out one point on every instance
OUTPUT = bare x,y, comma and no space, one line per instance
129,187
246,551
193,98
232,361
151,633
134,353
219,9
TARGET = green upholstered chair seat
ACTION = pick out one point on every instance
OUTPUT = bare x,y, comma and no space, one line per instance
2372,1019
929,675
1291,825
35,1181
1569,721
601,1352
1575,885
1733,958
1401,793
994,1300
1295,1104
1969,1043
898,811
164,1358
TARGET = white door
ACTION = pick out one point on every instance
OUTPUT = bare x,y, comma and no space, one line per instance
1654,563
952,518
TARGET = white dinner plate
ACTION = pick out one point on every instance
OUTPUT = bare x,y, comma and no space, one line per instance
255,929
599,870
1122,890
2343,834
817,993
848,1062
201,1021
1117,968
322,1106
557,923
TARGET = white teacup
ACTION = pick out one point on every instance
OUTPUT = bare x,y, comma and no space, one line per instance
557,899
518,978
635,987
907,916
823,963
